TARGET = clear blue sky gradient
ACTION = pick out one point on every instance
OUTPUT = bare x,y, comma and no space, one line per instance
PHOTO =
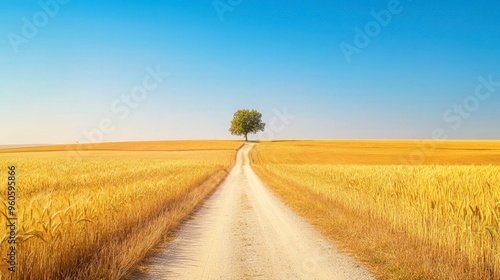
266,55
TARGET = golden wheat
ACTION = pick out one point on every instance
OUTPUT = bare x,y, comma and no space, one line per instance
452,209
96,217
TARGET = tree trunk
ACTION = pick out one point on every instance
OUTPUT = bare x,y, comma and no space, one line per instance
246,137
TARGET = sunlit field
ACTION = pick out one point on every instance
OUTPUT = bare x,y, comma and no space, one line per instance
93,212
436,219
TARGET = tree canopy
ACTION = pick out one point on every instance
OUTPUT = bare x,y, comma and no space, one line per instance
245,122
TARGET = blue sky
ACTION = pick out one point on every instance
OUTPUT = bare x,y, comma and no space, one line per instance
64,64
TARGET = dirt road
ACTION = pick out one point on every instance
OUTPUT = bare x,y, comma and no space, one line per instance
243,231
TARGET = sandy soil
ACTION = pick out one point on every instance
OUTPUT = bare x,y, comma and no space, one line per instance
243,231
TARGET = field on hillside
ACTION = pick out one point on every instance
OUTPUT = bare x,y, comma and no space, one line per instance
436,220
95,216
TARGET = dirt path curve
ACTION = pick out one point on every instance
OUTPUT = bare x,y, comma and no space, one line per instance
243,231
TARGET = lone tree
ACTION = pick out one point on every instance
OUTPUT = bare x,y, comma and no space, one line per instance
246,121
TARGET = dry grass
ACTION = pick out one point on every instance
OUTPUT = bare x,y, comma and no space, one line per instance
403,221
381,152
182,145
97,217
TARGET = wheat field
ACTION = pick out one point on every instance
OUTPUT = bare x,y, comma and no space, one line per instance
97,216
434,220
